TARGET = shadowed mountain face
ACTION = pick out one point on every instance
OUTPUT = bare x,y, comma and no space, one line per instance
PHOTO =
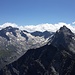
64,38
55,58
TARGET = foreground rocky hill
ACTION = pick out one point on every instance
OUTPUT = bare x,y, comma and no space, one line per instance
57,57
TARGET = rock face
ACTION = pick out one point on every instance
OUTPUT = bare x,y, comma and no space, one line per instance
15,42
55,58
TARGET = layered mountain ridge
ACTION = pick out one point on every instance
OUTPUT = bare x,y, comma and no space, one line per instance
57,57
15,42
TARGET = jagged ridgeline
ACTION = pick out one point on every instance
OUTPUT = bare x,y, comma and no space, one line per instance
57,57
15,42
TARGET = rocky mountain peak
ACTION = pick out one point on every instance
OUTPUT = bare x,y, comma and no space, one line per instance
63,37
64,30
10,28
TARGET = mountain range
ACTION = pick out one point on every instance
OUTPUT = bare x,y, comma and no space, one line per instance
15,42
37,53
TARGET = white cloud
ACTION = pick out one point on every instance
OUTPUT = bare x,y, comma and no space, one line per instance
73,22
40,27
8,24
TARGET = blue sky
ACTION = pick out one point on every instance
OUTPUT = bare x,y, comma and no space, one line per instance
27,12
